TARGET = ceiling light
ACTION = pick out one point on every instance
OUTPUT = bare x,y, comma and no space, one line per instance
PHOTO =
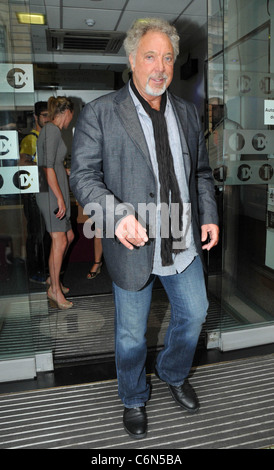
31,18
90,22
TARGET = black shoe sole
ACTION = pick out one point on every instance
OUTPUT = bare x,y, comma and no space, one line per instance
135,436
190,410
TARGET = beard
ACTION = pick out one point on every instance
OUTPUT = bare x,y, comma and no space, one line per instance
41,124
156,92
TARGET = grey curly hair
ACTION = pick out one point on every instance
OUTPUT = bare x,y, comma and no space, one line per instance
141,26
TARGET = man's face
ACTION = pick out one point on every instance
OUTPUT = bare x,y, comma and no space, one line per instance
153,65
42,118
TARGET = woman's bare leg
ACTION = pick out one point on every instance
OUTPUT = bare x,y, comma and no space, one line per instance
69,237
58,249
98,251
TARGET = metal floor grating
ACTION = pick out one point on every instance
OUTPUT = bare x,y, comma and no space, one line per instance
88,328
91,321
237,412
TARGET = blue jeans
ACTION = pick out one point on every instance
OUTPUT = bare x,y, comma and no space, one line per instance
188,300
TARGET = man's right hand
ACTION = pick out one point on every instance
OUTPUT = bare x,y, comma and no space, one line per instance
25,159
130,232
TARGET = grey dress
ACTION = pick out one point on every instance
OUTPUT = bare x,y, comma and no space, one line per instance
51,152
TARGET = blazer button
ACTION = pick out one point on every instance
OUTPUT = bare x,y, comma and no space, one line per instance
151,194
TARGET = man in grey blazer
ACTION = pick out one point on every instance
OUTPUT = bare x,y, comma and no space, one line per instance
139,155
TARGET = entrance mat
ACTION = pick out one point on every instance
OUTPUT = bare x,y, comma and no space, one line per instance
237,412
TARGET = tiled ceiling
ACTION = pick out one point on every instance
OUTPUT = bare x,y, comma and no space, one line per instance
69,18
189,16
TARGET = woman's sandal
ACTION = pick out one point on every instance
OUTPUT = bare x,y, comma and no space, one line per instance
92,275
64,289
54,302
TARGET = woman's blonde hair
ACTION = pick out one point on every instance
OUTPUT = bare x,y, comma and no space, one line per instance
59,104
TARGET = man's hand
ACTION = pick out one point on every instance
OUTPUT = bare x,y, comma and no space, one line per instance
210,231
130,232
25,159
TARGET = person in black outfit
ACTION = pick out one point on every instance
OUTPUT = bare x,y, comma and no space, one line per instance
36,241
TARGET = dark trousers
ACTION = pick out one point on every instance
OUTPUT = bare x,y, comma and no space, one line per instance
36,246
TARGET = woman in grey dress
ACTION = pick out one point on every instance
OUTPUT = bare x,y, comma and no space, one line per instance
53,199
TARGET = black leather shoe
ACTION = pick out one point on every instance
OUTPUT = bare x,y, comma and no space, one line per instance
185,396
135,422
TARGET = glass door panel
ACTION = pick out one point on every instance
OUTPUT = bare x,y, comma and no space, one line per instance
241,154
25,342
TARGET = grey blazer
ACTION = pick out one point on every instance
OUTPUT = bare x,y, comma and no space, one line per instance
110,157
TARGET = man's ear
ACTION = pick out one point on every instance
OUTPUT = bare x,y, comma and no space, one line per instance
131,61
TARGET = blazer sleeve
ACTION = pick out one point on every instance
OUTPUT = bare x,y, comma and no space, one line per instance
207,207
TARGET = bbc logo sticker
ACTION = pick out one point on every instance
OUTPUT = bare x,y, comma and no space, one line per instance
19,180
16,78
9,145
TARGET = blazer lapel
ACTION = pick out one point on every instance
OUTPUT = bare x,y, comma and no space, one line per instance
181,116
125,108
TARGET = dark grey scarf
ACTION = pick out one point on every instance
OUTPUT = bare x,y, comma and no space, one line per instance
169,188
